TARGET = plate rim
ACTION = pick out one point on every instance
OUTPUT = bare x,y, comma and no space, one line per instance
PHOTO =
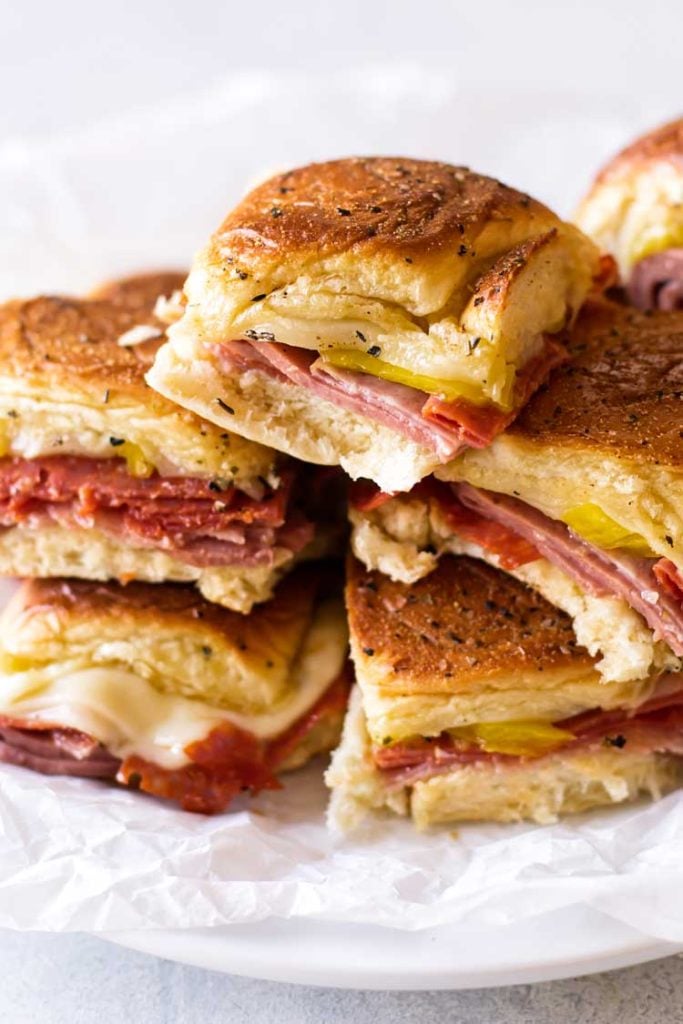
220,949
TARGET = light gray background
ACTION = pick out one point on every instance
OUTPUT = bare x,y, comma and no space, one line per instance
65,65
74,979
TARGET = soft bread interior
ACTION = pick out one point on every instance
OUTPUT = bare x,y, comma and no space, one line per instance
283,416
539,791
52,550
543,792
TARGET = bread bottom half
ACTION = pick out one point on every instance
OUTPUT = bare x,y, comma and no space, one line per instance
53,550
539,791
289,418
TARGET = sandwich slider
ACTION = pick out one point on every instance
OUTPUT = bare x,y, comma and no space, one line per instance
158,689
379,314
634,210
474,702
580,498
101,477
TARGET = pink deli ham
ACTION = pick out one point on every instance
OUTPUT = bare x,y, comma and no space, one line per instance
446,428
602,573
54,751
657,281
202,522
654,728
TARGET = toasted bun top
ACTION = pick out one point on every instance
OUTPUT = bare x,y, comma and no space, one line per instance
108,607
370,204
634,208
70,337
620,394
664,143
168,633
466,622
139,292
413,233
65,364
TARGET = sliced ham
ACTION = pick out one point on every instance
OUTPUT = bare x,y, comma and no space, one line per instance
394,405
54,751
444,427
202,522
655,727
226,762
602,573
657,281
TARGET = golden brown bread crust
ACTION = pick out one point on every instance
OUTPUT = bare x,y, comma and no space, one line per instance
139,292
69,376
77,339
621,394
369,204
156,606
664,143
459,626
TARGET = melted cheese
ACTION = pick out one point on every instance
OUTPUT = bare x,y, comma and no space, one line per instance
127,714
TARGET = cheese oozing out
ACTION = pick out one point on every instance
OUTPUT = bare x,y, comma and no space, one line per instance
128,715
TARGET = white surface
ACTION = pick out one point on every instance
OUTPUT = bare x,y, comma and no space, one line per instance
525,91
73,979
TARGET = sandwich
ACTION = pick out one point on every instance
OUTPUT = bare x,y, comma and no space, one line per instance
158,689
474,702
581,497
100,477
634,209
374,313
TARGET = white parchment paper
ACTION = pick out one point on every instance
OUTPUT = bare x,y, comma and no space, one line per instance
143,191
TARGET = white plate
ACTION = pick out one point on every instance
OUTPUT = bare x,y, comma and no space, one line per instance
558,945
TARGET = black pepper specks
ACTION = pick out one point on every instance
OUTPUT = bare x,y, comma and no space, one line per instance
343,212
370,651
255,335
219,484
116,442
224,406
374,350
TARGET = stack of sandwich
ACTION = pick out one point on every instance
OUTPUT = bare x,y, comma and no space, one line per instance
506,394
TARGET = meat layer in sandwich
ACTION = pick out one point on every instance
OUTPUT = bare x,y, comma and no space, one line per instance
634,209
156,688
379,314
581,498
100,477
475,702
